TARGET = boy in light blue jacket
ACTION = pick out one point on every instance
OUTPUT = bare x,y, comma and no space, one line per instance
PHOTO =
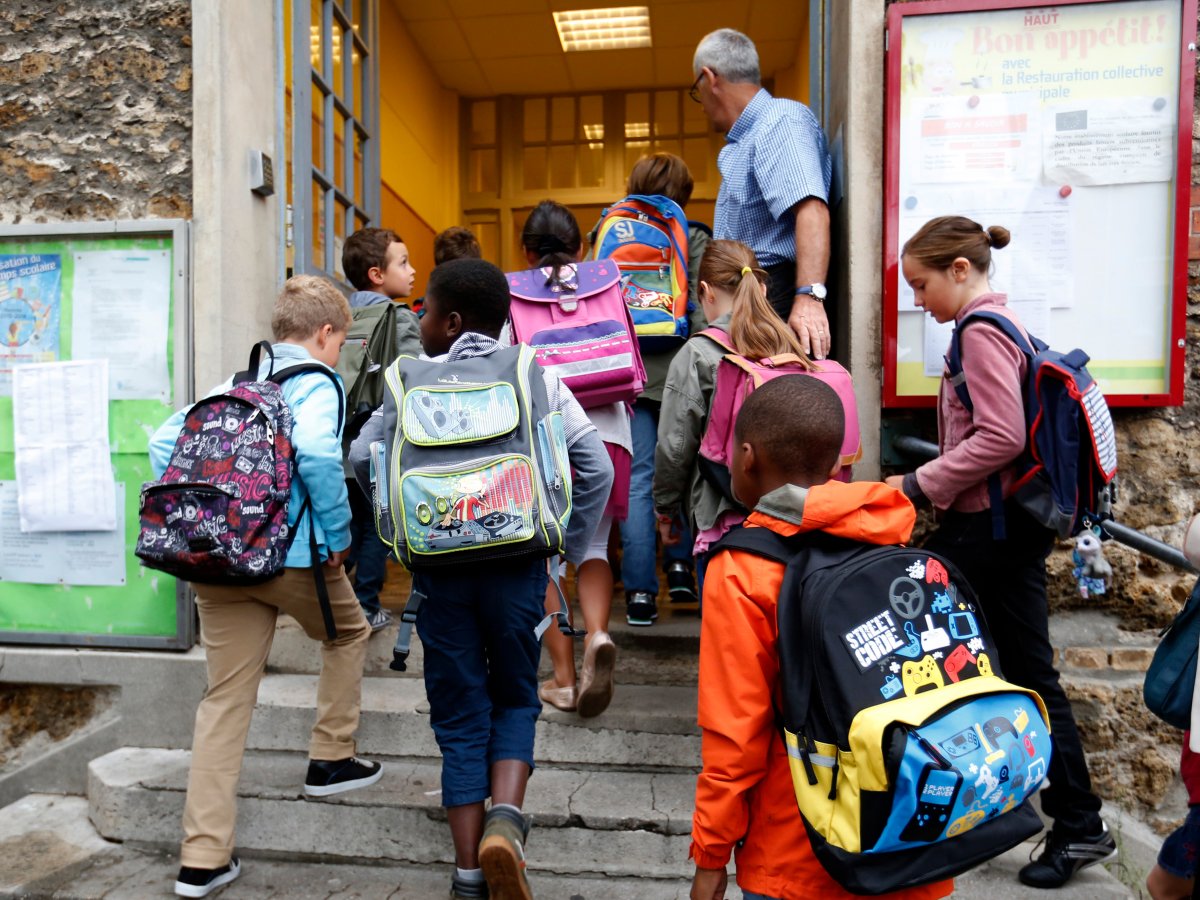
237,624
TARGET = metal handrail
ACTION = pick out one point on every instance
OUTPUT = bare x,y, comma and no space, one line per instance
1122,534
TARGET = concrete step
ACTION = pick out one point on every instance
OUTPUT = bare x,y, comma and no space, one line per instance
51,849
996,879
649,727
665,653
624,824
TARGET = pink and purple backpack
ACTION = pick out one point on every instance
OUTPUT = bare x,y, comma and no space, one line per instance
580,329
736,378
219,514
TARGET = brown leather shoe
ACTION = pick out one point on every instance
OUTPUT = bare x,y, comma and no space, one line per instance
596,676
559,697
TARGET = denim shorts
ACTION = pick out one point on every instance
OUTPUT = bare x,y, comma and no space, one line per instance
1178,853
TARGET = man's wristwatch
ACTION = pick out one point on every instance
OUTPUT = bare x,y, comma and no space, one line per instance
816,291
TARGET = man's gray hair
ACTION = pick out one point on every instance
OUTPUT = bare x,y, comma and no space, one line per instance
730,54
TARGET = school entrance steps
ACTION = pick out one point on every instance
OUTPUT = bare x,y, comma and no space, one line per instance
51,849
612,797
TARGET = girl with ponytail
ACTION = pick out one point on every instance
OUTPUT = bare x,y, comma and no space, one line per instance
948,263
553,243
733,294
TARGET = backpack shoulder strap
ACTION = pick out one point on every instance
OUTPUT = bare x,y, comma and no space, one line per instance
314,551
958,379
300,368
250,373
718,337
760,541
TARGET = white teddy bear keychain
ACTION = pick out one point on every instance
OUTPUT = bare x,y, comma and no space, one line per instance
1092,570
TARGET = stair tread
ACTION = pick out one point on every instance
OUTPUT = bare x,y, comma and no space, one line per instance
557,798
656,708
86,867
83,866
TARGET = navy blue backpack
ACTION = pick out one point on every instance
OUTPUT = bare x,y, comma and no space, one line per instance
1070,456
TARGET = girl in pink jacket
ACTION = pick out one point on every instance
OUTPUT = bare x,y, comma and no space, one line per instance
947,263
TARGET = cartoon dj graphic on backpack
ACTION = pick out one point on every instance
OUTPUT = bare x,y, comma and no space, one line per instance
468,503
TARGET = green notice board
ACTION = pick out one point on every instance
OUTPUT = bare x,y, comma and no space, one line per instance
116,291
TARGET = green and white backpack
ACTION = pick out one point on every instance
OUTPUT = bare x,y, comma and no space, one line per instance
474,462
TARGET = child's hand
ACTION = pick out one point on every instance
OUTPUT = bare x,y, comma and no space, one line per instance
896,481
337,558
668,530
709,884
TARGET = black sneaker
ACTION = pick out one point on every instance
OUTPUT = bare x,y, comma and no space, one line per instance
640,608
681,585
1065,855
327,777
194,882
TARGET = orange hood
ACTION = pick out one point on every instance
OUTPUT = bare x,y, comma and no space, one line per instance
867,511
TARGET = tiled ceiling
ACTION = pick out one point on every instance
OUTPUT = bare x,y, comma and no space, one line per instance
481,48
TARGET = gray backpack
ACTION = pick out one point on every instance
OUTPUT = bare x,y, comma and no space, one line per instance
473,465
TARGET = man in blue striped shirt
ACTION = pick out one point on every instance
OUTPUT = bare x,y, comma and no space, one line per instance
775,174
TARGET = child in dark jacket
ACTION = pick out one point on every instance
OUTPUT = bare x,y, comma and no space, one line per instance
377,263
477,622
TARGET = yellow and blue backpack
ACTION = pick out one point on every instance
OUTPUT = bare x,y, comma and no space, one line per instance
912,758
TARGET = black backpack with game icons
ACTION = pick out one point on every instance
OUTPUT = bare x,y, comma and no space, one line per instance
912,758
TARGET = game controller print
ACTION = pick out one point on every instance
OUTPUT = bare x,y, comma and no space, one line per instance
919,676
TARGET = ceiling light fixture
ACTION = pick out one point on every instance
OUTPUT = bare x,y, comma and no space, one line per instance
637,129
616,28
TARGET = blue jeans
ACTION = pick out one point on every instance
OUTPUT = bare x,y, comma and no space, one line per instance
1178,855
639,531
367,551
746,895
481,660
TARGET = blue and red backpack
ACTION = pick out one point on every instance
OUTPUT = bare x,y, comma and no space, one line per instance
647,237
1066,472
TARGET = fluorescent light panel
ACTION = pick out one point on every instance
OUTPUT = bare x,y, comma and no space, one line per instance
616,28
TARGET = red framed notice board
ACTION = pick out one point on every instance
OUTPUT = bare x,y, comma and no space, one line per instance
1070,125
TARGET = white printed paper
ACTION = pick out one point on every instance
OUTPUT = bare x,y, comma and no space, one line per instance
1110,141
60,438
964,139
1037,264
121,313
937,345
1033,314
60,557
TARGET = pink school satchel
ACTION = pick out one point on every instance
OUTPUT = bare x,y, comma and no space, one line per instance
736,378
580,329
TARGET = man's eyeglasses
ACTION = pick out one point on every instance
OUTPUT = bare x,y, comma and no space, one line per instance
694,90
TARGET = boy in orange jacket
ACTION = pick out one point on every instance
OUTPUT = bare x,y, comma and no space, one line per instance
744,795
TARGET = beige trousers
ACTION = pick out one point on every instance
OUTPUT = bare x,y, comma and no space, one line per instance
237,625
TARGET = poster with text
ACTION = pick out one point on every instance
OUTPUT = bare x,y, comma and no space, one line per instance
30,311
1061,124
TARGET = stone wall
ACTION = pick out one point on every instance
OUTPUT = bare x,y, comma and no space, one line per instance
95,110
